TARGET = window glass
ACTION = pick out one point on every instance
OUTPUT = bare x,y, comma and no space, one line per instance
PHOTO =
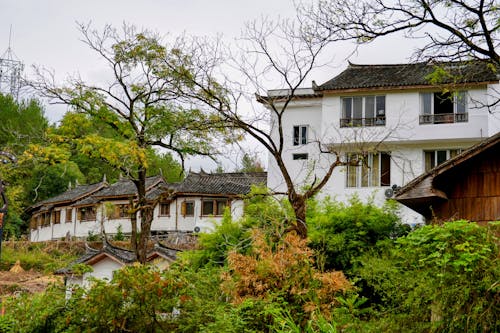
299,135
426,100
369,107
461,101
164,208
443,103
347,107
380,105
300,156
208,208
221,206
189,208
69,214
371,170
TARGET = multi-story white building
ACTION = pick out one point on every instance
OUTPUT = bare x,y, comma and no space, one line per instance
195,204
400,120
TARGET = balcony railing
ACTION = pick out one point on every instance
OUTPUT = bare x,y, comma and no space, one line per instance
444,118
362,122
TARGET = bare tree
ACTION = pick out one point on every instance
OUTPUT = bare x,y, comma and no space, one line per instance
277,53
454,29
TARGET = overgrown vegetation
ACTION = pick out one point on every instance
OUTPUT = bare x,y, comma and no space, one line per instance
248,277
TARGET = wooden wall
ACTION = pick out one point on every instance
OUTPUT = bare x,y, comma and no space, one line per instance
473,189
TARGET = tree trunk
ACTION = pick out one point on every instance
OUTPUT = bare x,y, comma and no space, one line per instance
133,221
299,204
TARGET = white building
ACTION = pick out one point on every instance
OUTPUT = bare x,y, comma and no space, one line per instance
391,116
192,205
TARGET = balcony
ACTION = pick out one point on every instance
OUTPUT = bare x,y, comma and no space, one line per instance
444,118
362,122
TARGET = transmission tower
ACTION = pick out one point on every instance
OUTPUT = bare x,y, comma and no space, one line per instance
11,69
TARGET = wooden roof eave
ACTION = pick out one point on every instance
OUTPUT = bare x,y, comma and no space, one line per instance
423,190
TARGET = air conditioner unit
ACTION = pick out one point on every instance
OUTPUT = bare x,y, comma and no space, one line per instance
196,229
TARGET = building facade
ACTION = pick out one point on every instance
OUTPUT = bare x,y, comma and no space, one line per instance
190,206
394,122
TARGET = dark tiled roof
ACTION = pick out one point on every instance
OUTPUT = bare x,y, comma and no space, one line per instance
236,183
80,191
125,187
416,74
123,255
164,251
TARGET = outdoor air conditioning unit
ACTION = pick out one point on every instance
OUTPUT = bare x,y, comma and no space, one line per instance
196,229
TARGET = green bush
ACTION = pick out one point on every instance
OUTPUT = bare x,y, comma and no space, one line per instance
341,232
437,278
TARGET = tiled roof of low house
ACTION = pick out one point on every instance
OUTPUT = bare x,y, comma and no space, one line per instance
163,251
94,255
80,191
235,183
407,75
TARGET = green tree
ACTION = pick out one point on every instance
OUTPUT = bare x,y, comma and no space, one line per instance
438,278
341,232
148,103
250,163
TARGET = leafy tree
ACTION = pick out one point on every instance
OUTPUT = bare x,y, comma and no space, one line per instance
439,278
250,163
21,123
455,30
148,103
342,232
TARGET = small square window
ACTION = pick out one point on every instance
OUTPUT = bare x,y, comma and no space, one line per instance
164,208
187,208
300,156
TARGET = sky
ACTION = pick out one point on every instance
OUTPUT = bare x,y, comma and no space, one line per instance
44,32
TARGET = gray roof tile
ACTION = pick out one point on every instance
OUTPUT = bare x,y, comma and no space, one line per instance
236,183
415,74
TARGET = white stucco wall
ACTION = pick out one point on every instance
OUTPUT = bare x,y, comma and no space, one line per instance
402,136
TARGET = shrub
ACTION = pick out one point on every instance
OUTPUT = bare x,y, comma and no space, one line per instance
439,278
341,232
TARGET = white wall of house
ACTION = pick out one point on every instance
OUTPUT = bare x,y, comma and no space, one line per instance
403,136
175,221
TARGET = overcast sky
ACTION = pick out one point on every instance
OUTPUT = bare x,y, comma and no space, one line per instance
44,31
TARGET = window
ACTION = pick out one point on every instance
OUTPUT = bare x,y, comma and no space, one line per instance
187,208
45,219
56,216
87,213
369,170
121,211
69,215
164,208
443,107
213,207
299,135
363,111
300,156
435,157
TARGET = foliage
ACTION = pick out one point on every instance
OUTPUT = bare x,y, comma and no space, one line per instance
446,277
45,257
284,273
341,232
250,163
119,234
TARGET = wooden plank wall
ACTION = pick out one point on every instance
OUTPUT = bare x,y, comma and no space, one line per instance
473,189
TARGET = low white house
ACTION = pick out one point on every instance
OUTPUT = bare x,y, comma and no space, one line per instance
192,205
400,121
104,262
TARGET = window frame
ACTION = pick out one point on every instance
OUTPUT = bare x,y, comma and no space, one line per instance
92,217
56,217
433,160
216,210
428,114
300,135
365,116
184,208
300,156
161,212
69,215
361,174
